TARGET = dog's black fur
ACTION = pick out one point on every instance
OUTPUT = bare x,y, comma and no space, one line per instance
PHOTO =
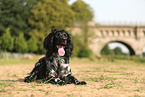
51,67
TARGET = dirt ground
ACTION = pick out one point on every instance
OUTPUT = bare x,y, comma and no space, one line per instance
104,79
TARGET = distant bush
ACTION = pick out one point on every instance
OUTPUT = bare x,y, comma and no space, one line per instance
7,41
138,59
122,57
143,54
86,53
32,44
21,44
77,42
107,51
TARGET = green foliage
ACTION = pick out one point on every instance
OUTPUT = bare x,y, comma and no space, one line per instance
80,50
7,41
124,58
0,43
138,59
14,15
41,49
32,44
47,14
35,18
86,53
83,12
143,54
106,51
118,51
21,44
77,42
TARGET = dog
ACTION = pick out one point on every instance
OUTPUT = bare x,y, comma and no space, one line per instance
54,67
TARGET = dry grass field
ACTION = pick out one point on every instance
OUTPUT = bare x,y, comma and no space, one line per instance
120,78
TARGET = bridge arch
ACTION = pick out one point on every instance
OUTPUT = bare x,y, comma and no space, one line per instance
131,36
130,48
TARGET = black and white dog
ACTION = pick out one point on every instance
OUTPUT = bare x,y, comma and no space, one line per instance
54,67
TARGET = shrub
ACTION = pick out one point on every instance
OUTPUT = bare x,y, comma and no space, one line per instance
7,41
77,42
86,53
21,44
32,44
138,59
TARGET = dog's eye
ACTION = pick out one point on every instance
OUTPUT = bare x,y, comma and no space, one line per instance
65,35
58,34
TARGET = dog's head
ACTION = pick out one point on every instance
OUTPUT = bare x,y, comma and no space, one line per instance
58,41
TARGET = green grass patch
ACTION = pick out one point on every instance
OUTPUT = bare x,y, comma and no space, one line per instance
102,78
128,58
130,73
16,61
110,71
35,84
5,84
110,85
103,61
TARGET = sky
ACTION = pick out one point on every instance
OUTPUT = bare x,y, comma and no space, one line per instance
117,12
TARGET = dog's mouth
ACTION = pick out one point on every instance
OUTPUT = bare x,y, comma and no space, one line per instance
61,50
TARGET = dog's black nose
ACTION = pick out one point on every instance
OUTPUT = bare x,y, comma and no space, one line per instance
64,40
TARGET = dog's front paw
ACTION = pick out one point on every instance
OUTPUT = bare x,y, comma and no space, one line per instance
27,80
80,83
83,83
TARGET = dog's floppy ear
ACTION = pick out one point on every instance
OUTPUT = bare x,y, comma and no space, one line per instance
48,41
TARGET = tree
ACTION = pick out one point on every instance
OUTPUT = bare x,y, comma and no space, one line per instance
21,44
106,51
32,44
143,54
7,41
14,14
78,44
118,51
47,14
83,14
51,13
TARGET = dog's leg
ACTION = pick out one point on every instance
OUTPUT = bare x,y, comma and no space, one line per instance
52,74
33,74
38,69
66,75
72,79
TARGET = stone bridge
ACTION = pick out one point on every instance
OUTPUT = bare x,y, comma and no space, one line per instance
132,36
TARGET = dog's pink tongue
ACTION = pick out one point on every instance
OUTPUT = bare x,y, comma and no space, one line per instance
61,52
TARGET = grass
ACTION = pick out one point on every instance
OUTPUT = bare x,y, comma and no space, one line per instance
16,61
104,79
127,58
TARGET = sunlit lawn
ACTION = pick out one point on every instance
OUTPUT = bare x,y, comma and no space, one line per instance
16,61
118,78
